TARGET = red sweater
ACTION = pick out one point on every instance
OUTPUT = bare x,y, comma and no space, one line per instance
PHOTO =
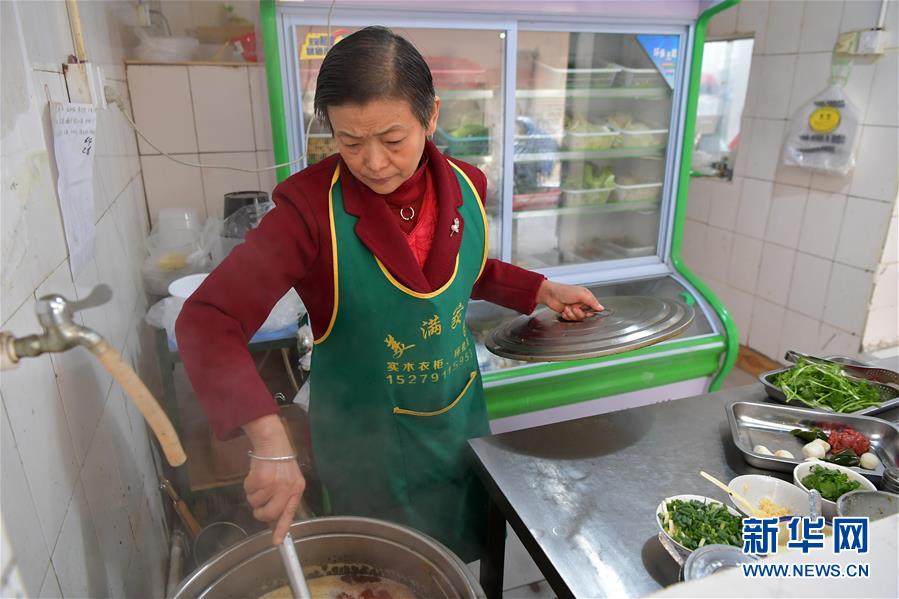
291,247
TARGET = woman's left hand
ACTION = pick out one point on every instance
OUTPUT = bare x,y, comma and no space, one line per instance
572,302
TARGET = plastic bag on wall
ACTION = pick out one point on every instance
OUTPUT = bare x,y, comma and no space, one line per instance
823,134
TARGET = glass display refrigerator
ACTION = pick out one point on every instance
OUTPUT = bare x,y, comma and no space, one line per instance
580,114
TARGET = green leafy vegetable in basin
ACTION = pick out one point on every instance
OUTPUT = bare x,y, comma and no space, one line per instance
825,386
832,484
694,524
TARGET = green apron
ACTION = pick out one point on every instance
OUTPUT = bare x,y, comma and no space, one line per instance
396,391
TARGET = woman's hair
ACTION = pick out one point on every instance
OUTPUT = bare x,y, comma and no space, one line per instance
374,64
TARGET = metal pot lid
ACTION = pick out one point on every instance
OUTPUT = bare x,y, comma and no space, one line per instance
628,322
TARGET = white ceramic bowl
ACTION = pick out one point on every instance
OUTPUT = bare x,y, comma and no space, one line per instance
680,548
829,508
755,487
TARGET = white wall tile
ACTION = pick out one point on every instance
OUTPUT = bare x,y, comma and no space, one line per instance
50,587
740,306
820,26
718,245
694,252
172,185
112,266
785,216
833,341
20,521
831,183
268,180
809,284
753,86
775,273
811,77
883,105
875,170
799,333
46,242
821,223
766,327
752,18
746,256
882,328
37,419
848,295
755,202
51,19
891,248
724,23
218,182
699,199
891,20
886,287
262,124
75,558
725,203
784,25
777,78
863,233
222,109
765,148
742,160
160,98
860,14
792,175
859,86
105,497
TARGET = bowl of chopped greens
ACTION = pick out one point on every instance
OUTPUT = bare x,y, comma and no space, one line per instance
693,521
825,387
831,480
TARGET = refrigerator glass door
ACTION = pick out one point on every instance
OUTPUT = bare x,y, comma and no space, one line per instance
592,116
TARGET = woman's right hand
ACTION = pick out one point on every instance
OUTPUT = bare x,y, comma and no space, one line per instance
273,489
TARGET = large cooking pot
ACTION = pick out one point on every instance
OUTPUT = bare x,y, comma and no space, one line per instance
336,546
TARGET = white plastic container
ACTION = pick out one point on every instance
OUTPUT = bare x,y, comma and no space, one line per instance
641,192
580,78
586,197
628,77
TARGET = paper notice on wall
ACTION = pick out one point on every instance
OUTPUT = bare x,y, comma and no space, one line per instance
74,140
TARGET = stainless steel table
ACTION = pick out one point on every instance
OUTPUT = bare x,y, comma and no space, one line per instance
581,495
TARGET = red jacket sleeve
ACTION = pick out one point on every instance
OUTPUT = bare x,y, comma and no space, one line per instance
502,283
219,319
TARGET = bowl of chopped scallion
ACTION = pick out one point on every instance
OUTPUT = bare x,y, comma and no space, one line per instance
693,521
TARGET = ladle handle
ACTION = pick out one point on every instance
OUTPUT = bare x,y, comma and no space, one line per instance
294,570
144,401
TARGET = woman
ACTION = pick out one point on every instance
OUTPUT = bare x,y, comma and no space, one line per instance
385,242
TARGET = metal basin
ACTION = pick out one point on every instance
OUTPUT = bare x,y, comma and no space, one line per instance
336,546
873,504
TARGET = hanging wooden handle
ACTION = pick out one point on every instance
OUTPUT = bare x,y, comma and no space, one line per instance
144,401
187,518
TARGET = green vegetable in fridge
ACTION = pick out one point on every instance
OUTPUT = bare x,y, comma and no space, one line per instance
470,130
844,457
832,484
694,524
592,178
825,386
809,436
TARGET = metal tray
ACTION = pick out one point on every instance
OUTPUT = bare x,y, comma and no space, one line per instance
754,424
888,395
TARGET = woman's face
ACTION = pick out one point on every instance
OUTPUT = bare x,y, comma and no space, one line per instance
381,141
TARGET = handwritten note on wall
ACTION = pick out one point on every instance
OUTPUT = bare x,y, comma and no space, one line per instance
74,139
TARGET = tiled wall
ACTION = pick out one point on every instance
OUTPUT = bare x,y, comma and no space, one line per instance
804,261
207,115
80,507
